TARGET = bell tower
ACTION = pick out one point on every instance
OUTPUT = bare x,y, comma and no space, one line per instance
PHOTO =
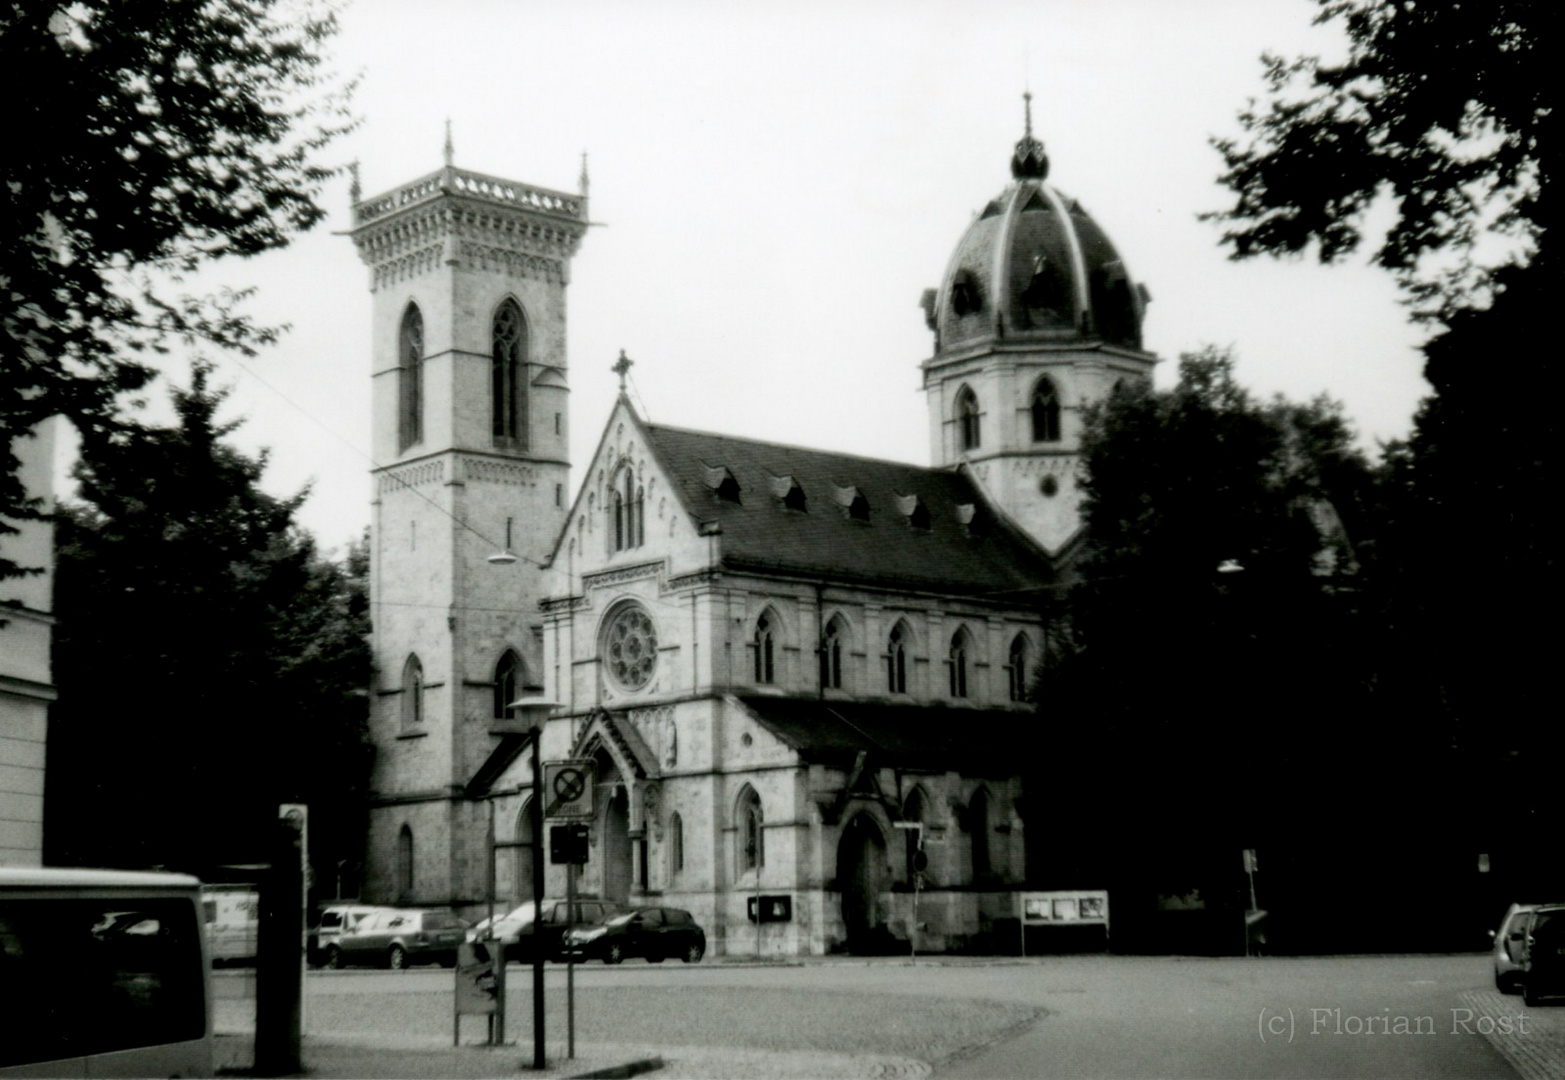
1035,318
470,433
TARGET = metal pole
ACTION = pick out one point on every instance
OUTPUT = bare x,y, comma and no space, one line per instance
570,963
489,933
538,849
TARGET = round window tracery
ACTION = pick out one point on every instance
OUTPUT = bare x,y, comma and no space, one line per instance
631,647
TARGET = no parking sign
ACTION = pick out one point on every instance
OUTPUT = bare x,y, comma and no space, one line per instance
567,788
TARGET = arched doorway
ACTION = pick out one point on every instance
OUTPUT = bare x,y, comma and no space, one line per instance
614,848
861,879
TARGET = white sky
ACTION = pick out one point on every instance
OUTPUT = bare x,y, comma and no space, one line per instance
779,182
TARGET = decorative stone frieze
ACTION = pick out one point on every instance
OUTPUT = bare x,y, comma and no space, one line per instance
425,472
490,471
620,575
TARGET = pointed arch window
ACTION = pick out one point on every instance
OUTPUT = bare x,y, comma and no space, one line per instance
1016,668
968,419
405,863
1045,412
676,844
896,660
957,664
764,644
831,654
913,811
507,684
508,376
626,506
410,379
412,693
978,830
751,832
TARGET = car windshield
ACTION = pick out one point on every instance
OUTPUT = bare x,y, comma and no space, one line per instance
523,914
620,920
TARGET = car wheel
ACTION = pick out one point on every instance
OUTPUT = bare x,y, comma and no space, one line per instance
694,952
334,958
397,958
614,954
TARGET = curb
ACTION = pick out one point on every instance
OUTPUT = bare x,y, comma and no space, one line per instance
619,1072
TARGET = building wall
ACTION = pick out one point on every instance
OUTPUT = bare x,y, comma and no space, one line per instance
26,683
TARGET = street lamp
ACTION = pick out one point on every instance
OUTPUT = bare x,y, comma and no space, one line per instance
535,710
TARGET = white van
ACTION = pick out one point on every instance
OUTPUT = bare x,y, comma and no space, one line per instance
232,914
103,973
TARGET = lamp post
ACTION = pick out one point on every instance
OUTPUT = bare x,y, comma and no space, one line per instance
535,710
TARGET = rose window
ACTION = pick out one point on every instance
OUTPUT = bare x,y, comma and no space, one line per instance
631,648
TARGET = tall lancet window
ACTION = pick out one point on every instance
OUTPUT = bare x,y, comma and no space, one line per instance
508,377
1045,412
410,379
968,419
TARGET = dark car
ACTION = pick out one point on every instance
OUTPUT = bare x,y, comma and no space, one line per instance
1543,974
656,933
397,939
521,932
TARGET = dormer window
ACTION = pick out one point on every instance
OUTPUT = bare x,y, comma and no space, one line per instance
787,490
965,295
914,509
721,482
853,502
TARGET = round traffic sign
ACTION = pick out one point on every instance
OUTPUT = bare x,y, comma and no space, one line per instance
569,784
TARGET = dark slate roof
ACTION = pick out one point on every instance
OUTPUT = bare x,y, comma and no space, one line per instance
919,737
987,557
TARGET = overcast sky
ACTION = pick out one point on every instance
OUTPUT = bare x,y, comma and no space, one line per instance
776,186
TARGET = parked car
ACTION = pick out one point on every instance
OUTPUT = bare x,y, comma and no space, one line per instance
1510,948
397,939
1543,974
521,932
653,932
334,921
232,915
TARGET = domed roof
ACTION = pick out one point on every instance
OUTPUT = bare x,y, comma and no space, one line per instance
1034,266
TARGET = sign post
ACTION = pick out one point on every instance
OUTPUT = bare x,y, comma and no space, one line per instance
568,787
920,864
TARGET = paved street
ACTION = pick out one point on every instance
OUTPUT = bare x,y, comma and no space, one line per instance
1092,1016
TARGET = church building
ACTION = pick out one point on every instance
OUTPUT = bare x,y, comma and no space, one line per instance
790,669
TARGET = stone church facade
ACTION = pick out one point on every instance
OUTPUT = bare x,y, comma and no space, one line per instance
794,671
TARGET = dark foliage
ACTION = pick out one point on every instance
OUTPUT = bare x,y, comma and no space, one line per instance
144,139
211,662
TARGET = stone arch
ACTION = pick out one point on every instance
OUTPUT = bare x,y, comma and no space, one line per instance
508,383
749,833
522,857
862,880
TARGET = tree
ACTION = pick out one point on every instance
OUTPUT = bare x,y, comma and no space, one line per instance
1445,109
1214,625
1448,111
211,662
146,139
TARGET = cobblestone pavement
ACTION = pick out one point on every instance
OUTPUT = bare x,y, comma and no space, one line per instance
1531,1039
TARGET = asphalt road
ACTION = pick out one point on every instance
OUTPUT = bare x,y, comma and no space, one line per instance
1082,1016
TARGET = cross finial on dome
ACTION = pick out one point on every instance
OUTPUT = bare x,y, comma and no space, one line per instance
1029,162
622,368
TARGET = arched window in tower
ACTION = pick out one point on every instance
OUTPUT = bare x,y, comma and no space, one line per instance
968,419
1016,668
625,506
957,663
410,379
507,684
896,660
765,648
1045,412
412,692
508,376
405,863
831,654
751,833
